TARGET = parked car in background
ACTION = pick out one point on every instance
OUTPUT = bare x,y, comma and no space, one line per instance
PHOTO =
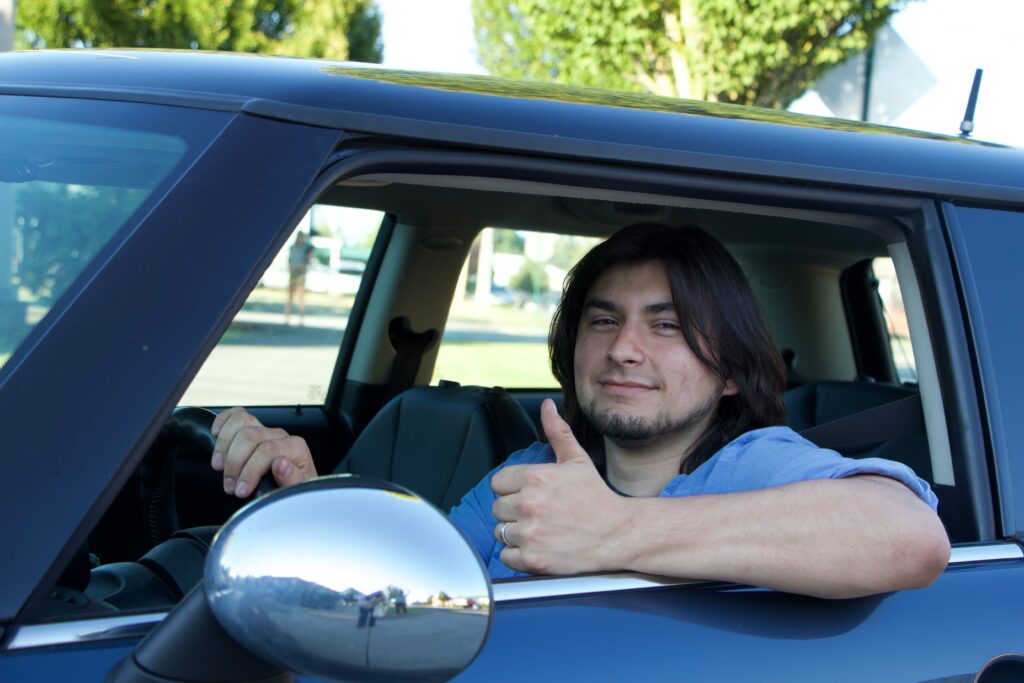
143,197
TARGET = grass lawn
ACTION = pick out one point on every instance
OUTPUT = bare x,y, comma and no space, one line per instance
512,365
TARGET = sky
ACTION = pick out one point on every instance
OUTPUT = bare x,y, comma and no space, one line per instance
951,37
429,36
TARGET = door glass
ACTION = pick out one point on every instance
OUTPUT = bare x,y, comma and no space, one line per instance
73,173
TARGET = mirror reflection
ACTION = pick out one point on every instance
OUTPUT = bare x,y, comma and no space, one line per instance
332,580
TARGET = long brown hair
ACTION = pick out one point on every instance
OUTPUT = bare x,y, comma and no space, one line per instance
721,319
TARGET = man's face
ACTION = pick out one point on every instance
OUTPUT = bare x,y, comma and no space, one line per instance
637,380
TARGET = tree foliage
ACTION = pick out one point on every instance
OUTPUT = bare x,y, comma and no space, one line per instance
508,242
394,592
756,52
332,29
531,279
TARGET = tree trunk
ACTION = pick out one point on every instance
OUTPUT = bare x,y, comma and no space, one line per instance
6,25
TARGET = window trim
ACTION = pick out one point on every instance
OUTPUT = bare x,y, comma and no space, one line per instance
135,626
927,372
916,221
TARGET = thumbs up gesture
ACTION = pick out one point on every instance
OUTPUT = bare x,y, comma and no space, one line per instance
557,518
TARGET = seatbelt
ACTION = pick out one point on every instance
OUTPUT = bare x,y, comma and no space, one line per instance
409,350
887,422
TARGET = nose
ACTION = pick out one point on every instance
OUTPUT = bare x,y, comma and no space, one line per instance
626,348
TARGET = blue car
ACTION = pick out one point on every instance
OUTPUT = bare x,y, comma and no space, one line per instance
143,195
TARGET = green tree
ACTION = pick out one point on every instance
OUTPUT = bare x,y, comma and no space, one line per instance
569,249
530,279
757,52
394,592
332,29
508,242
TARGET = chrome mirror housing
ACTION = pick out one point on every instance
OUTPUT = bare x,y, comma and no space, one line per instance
350,578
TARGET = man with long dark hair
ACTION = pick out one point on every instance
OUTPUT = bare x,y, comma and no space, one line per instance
673,458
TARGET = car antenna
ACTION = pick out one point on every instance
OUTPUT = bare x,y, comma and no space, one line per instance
967,125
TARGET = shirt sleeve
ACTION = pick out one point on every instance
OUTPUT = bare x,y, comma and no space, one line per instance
787,457
473,515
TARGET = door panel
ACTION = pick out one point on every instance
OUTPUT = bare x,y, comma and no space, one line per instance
987,245
725,632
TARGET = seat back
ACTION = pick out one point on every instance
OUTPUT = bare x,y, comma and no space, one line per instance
818,403
440,441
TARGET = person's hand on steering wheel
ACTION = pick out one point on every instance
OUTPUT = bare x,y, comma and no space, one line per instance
246,450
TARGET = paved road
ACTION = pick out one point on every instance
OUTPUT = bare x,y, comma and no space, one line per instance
419,641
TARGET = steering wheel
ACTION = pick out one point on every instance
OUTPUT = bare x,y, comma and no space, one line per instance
186,434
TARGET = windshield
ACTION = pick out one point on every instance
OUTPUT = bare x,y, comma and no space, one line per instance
73,175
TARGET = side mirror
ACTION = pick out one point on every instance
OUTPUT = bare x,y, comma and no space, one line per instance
342,577
349,578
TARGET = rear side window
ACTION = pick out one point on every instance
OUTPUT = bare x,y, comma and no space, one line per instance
497,329
895,315
282,346
73,173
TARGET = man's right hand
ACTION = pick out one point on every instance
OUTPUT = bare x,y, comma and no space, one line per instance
246,450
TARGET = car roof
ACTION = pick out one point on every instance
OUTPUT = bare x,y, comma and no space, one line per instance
492,113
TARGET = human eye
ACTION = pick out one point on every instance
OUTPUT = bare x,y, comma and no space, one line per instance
602,322
667,326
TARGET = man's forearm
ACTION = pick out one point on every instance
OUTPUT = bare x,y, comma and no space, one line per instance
829,538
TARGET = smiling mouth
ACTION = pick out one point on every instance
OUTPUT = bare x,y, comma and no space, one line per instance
614,387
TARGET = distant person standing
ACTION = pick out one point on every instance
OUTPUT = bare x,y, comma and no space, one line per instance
299,257
367,603
400,604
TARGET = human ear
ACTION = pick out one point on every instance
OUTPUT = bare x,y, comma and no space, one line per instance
730,388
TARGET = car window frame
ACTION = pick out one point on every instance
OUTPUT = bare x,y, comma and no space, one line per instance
909,219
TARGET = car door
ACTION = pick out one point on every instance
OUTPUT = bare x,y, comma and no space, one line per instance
707,631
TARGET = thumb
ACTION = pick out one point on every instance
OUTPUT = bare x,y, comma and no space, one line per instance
560,436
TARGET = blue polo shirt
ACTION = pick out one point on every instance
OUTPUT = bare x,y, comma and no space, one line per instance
759,459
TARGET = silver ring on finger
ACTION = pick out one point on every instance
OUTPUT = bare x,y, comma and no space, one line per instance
502,536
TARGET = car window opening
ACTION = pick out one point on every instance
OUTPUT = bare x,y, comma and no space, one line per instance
791,258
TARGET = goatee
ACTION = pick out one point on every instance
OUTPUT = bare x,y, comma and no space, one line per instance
634,431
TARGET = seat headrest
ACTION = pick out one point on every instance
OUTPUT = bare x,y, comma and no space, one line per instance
440,441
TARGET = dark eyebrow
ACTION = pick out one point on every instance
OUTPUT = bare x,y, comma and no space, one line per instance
603,305
660,307
612,307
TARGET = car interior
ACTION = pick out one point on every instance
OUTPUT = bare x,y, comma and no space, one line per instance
818,264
